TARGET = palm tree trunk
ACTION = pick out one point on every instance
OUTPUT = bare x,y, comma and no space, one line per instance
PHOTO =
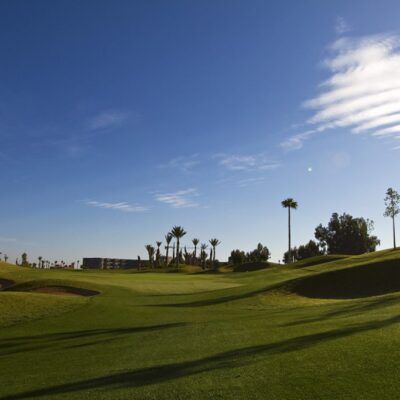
177,252
394,234
213,253
166,255
290,236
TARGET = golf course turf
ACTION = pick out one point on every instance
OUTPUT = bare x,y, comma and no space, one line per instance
325,328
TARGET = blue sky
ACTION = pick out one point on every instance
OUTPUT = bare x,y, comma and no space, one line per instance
120,119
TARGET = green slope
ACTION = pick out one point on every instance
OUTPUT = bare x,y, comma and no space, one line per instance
283,332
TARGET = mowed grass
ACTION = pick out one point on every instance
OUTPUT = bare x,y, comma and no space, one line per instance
284,332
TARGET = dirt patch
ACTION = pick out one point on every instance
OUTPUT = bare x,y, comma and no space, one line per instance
5,283
65,291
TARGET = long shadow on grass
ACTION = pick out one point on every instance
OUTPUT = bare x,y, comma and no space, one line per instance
228,359
348,311
218,300
66,339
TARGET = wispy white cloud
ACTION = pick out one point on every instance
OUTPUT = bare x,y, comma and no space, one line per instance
179,199
106,120
295,142
341,26
122,206
362,92
183,163
250,181
250,162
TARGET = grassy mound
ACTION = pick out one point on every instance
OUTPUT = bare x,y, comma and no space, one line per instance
54,286
318,260
65,290
16,308
367,280
251,266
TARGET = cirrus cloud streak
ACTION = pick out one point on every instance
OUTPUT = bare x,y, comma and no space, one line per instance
362,93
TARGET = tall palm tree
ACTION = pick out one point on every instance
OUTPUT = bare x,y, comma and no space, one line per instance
40,261
289,203
214,243
177,232
195,243
5,257
168,238
158,253
203,254
150,251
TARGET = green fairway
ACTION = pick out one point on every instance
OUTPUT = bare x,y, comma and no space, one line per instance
325,328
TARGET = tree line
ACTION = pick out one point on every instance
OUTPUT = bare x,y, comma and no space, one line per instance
344,234
204,258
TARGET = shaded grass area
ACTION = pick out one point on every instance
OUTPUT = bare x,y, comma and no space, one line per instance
233,336
53,286
251,266
5,283
368,280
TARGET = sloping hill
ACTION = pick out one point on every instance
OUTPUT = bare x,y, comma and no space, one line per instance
318,260
353,277
206,336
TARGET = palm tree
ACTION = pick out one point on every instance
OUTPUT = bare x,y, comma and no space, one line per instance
214,243
158,253
177,232
289,204
5,257
168,238
40,261
195,243
150,251
203,254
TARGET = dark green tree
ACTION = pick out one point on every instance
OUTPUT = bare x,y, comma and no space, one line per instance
150,251
203,255
311,249
24,258
237,257
347,235
168,238
178,233
195,242
214,243
158,253
289,204
392,203
259,254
